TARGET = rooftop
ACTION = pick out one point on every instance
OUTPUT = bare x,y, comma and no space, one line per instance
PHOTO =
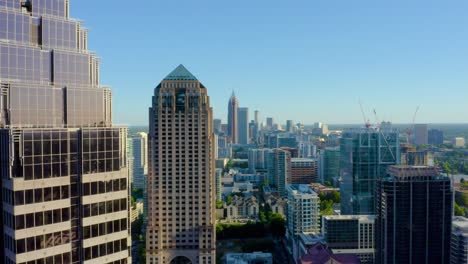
460,225
301,189
350,217
180,74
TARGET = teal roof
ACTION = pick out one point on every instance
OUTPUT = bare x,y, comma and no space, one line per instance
180,74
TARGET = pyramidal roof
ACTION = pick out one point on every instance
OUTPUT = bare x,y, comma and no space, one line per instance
180,74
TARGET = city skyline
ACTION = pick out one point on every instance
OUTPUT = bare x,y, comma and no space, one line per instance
391,56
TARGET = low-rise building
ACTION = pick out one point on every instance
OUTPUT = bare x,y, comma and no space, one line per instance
137,210
350,234
277,204
248,258
458,142
321,254
240,208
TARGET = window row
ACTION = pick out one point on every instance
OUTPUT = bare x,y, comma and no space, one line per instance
45,171
105,228
105,249
104,207
57,259
42,218
43,195
100,187
31,244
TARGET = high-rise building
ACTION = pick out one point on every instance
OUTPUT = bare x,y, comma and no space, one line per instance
435,137
303,171
130,158
413,216
181,182
258,160
365,155
243,125
289,126
257,117
65,189
459,243
140,160
233,128
303,210
330,165
350,234
420,134
269,123
217,126
279,170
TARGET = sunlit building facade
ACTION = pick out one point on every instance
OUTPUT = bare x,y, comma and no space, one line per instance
63,166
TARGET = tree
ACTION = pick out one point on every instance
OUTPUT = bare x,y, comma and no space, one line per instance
278,225
459,210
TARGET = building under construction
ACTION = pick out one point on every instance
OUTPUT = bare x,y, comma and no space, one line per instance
365,155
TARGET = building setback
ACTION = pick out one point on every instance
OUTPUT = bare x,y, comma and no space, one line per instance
181,183
63,166
413,216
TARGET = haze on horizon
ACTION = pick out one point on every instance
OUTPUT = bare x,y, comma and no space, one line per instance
311,61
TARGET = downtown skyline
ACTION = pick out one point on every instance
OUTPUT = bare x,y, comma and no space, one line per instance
319,59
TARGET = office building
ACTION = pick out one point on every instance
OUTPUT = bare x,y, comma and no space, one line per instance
303,171
279,170
458,142
181,183
330,165
243,125
350,234
217,126
232,126
289,126
413,216
140,160
63,164
269,123
287,141
459,241
219,172
420,134
365,155
257,117
435,137
303,210
307,150
130,158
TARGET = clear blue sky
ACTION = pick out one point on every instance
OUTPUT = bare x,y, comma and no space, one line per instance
307,60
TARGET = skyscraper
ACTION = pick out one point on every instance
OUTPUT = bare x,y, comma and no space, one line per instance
420,134
181,183
233,118
365,155
413,216
257,117
289,126
63,165
243,125
279,170
140,160
269,122
435,137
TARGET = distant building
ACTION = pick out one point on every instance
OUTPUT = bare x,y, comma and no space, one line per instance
140,160
303,210
279,170
307,150
435,137
413,216
137,210
321,254
459,244
458,142
217,126
289,126
322,189
269,123
350,234
243,125
420,134
248,258
365,156
257,117
258,159
242,208
233,119
303,171
330,165
287,141
277,204
218,182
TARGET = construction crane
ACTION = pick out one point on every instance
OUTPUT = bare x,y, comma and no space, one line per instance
366,121
409,130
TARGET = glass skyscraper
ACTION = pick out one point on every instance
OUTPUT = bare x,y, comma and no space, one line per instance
62,163
365,155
